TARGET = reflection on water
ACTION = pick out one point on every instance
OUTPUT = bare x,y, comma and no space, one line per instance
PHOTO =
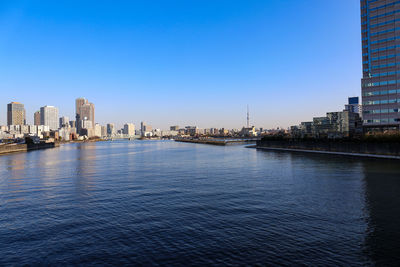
152,203
85,168
382,180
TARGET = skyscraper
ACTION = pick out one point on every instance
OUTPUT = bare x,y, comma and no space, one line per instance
16,114
103,131
110,129
145,128
49,117
97,130
129,129
84,112
64,121
381,63
36,118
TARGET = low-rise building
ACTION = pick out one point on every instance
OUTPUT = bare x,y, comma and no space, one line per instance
248,132
333,125
191,130
65,133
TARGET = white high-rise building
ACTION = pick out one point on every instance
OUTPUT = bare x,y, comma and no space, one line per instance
97,130
129,129
49,117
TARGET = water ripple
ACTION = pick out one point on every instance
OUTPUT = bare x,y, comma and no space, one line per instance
165,203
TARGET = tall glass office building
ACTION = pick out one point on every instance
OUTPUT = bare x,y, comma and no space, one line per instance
380,27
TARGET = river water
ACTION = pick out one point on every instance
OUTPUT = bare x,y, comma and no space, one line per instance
168,203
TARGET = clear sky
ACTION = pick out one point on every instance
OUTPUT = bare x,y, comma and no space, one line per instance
197,62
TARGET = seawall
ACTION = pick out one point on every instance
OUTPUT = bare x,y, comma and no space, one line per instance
340,147
11,148
215,142
197,141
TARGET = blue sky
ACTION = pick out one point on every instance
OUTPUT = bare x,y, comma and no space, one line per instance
182,62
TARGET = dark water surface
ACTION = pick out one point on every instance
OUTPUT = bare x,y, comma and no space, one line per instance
166,203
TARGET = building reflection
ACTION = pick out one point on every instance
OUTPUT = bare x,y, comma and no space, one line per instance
16,174
382,196
379,182
16,162
85,169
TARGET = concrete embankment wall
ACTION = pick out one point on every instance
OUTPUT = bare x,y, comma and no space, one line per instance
42,146
340,146
209,142
215,142
11,148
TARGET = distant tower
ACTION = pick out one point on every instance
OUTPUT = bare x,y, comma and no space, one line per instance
84,112
16,114
49,117
36,118
248,117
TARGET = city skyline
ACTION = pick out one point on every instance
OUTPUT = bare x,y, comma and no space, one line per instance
140,67
200,133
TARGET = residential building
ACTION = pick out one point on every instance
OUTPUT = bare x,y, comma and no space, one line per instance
65,133
214,131
336,124
306,128
86,124
169,133
79,102
157,132
353,105
103,131
191,130
64,121
110,129
84,112
381,64
16,114
247,131
41,129
129,129
97,130
174,128
36,118
145,129
49,117
224,132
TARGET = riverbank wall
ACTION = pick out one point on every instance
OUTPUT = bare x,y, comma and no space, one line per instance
12,148
209,142
341,147
215,142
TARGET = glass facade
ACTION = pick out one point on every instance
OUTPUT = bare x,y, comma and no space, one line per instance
380,29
